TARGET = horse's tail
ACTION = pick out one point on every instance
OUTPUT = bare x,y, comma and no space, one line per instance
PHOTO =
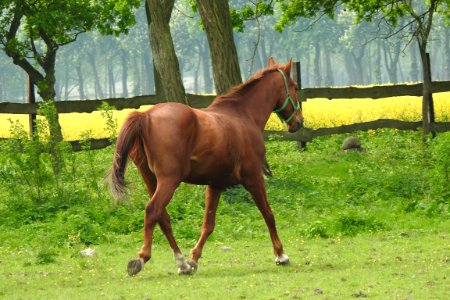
128,137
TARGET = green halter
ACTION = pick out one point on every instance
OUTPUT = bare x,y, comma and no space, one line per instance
288,99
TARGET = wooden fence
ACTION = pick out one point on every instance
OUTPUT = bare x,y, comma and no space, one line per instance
304,135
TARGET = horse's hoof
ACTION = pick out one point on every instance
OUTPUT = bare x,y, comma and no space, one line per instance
189,268
135,266
193,265
185,271
282,260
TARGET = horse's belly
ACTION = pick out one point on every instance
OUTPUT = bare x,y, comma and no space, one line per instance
214,173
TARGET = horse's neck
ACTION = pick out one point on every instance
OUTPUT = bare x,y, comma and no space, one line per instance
256,103
261,104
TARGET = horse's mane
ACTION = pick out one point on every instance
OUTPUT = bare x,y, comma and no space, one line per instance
237,91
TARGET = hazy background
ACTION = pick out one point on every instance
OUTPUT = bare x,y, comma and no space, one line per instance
332,53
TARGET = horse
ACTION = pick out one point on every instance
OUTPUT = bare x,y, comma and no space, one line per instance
220,146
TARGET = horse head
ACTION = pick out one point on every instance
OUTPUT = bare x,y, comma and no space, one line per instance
287,106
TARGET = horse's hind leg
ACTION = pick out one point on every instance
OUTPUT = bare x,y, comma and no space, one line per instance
184,267
258,191
209,220
140,160
154,213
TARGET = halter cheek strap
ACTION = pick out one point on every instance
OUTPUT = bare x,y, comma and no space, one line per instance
288,100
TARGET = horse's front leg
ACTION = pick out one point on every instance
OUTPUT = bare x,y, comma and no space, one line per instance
153,214
209,221
258,191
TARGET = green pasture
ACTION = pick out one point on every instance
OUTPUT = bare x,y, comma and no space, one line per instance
389,265
355,225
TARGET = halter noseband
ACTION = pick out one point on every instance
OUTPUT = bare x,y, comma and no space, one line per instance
288,99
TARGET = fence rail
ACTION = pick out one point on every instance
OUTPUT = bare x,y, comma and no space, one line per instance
307,135
374,92
304,135
200,101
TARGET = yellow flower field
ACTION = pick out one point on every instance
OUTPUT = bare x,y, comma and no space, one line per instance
317,112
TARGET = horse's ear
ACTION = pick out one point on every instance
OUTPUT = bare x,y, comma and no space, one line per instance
271,62
288,66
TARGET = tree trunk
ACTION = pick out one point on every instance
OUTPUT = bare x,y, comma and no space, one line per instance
377,68
197,74
317,73
66,80
446,52
97,86
349,68
111,80
422,33
46,89
137,78
216,19
206,70
80,82
263,52
260,62
427,96
414,71
159,90
329,81
164,57
391,61
123,59
147,85
306,81
357,55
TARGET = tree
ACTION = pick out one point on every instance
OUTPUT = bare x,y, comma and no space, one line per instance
169,85
420,21
31,32
216,20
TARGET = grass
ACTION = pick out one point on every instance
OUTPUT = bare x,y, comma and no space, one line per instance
394,265
355,225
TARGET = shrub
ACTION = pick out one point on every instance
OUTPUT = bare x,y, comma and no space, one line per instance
317,229
352,223
46,256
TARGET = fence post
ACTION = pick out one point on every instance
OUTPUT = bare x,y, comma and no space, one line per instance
31,99
297,76
431,102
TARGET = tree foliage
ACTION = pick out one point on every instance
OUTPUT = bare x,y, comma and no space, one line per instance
392,10
32,31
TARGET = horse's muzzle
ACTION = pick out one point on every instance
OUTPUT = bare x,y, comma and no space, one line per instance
295,127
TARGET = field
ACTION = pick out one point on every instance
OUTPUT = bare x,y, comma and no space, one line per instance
385,266
318,113
355,225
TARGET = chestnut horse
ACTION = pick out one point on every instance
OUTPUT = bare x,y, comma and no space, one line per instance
219,146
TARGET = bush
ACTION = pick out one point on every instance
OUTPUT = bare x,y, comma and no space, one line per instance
317,230
352,223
